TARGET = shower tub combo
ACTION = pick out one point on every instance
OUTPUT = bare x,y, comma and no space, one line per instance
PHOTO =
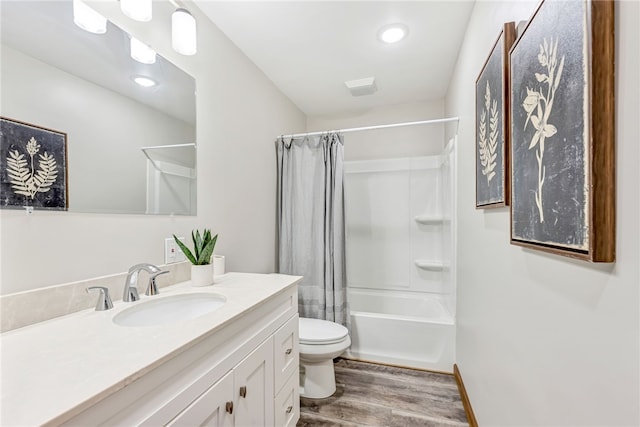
400,264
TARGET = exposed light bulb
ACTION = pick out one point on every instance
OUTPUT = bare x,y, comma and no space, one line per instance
88,19
393,33
141,52
144,81
139,10
183,32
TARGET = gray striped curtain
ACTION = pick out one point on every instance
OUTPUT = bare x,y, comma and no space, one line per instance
311,222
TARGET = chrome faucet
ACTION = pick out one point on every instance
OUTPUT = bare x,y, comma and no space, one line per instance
130,284
152,287
104,300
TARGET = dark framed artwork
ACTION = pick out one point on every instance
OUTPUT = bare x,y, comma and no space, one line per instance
562,131
33,162
492,119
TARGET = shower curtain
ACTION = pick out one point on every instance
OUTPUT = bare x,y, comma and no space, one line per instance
311,223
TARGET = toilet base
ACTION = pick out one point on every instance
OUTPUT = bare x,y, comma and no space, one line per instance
317,379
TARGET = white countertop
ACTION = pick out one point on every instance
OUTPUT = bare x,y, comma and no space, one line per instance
50,368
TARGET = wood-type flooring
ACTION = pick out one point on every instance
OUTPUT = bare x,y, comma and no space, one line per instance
371,395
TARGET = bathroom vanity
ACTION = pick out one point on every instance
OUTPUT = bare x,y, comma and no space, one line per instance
234,366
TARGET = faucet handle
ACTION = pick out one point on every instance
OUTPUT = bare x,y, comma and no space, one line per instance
152,287
104,300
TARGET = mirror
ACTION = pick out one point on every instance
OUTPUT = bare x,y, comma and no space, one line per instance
130,149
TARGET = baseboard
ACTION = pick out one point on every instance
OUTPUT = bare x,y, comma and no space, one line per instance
465,397
393,365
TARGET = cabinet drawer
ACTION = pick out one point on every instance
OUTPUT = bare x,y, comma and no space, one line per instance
287,402
286,354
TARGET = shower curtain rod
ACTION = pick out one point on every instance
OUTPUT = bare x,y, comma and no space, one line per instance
392,125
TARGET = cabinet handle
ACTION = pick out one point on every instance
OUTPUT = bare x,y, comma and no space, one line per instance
229,407
243,391
288,351
289,409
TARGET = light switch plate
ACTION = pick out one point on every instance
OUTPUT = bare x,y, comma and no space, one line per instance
172,252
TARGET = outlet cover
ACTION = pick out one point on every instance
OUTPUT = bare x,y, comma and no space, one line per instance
172,252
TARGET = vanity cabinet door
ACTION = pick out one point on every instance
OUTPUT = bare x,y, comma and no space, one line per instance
287,403
285,352
253,382
214,408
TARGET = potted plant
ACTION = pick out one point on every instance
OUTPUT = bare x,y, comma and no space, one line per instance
201,266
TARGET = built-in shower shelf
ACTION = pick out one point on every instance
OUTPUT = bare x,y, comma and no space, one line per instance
432,265
430,219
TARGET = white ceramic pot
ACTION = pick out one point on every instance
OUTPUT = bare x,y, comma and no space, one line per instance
202,275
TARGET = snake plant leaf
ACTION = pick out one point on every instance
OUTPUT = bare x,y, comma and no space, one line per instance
203,246
206,236
185,250
207,250
197,243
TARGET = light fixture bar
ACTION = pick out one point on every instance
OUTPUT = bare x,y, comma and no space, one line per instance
183,32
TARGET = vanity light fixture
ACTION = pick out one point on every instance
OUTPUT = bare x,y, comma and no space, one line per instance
141,52
183,32
139,10
88,19
144,81
393,33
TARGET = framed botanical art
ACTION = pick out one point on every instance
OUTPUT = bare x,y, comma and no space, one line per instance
562,131
492,99
33,162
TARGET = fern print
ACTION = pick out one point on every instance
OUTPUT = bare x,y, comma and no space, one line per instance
482,140
46,176
493,139
18,173
487,148
25,179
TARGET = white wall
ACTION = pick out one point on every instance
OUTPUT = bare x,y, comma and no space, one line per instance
388,143
544,340
240,112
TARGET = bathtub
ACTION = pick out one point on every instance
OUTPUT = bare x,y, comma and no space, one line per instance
406,329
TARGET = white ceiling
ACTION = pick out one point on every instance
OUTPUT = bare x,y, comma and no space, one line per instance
310,48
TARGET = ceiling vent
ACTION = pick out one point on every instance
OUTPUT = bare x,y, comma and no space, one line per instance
360,87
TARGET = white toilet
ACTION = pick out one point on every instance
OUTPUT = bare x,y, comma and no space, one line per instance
320,342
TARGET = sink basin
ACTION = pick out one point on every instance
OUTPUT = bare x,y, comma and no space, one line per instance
170,309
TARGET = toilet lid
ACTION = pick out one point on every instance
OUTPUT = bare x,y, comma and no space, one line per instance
316,331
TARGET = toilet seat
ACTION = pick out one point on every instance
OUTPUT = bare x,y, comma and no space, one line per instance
321,332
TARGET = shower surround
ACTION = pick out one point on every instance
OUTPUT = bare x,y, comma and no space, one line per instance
400,263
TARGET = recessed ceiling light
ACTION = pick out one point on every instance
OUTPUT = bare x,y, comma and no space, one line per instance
393,33
144,81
